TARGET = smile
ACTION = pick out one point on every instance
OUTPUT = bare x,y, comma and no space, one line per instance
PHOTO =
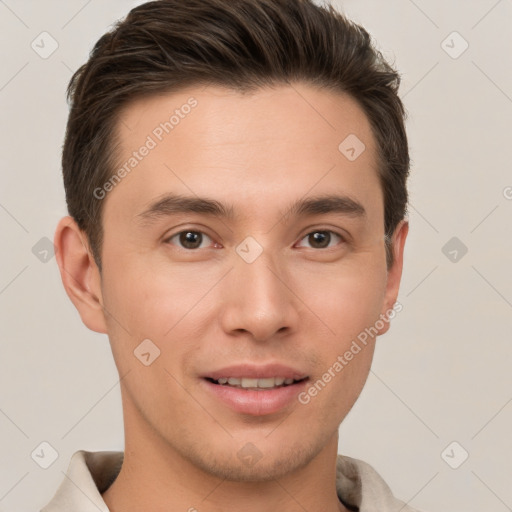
256,384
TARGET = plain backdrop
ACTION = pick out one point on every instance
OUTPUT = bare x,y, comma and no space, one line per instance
441,385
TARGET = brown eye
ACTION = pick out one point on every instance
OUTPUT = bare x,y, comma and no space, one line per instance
188,239
321,239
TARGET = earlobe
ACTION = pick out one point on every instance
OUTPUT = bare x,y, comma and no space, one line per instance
395,272
79,273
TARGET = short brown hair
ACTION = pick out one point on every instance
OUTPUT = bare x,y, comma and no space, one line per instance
166,45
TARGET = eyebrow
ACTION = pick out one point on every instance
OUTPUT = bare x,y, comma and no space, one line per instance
174,204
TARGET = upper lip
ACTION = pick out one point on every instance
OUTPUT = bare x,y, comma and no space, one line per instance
257,372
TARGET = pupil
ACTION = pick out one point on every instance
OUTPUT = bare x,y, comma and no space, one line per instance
318,236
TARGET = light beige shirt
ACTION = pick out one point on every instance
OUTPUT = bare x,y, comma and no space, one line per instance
89,474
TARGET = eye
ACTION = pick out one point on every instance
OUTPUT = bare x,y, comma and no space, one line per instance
321,239
188,239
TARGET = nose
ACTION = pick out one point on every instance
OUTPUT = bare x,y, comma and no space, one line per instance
258,299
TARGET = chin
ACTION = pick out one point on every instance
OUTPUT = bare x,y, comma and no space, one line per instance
250,464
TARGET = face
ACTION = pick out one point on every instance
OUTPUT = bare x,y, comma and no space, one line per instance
245,281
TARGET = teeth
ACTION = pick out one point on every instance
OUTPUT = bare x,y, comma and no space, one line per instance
264,383
250,383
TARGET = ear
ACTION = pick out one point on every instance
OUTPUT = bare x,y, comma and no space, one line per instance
79,273
395,271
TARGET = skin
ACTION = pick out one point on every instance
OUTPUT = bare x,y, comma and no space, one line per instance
206,307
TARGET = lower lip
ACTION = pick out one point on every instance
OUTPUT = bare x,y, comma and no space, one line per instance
257,403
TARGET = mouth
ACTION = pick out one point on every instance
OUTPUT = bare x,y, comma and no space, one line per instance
255,389
256,384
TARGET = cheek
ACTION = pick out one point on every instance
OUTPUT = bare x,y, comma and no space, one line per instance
149,296
348,298
148,322
349,305
162,303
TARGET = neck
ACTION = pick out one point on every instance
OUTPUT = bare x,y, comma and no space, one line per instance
156,476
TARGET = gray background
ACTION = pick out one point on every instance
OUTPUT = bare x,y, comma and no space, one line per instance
441,374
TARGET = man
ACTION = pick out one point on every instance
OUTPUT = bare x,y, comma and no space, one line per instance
235,174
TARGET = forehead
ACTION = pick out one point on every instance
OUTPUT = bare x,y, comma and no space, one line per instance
264,146
212,110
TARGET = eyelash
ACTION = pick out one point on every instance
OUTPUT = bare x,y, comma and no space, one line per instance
343,240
